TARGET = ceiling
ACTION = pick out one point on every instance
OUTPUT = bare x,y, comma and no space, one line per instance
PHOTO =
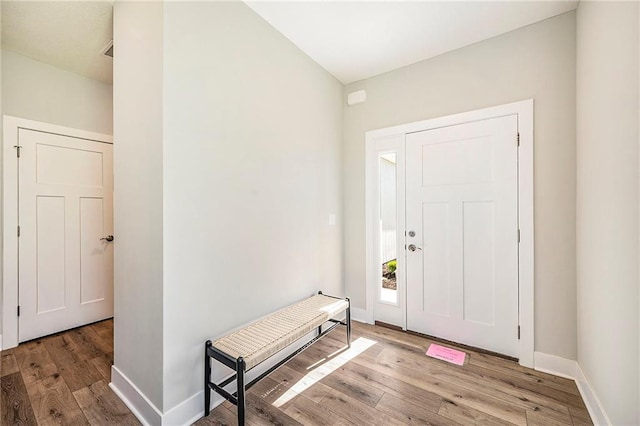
67,34
352,40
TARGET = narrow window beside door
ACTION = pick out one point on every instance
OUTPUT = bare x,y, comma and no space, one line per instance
388,228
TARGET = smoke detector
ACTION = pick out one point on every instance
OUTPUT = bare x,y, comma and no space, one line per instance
108,50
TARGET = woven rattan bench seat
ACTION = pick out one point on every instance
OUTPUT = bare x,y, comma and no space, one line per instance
261,339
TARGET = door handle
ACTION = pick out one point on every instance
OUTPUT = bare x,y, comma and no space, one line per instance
413,247
108,238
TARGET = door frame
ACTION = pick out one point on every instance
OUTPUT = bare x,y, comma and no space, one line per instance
11,127
381,144
524,111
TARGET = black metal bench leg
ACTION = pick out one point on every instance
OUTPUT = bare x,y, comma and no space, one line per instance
207,379
348,323
320,328
240,368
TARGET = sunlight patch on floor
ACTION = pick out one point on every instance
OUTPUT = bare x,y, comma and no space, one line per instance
321,369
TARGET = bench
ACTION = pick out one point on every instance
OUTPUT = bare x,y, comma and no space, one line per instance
249,346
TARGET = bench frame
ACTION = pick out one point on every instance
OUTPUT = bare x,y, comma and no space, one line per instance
238,365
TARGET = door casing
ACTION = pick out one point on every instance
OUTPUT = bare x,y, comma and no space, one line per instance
524,112
10,214
386,312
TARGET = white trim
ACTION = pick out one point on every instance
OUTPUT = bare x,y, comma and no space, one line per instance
570,369
1,342
524,111
185,413
391,313
595,408
190,410
555,365
360,315
9,239
134,399
369,223
525,221
10,213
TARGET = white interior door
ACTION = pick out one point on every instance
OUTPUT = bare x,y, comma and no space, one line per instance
462,205
65,207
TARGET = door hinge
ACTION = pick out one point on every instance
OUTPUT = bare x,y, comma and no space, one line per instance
518,138
18,148
518,332
518,235
18,310
18,230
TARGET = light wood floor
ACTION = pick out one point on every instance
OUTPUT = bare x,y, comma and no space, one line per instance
62,379
385,379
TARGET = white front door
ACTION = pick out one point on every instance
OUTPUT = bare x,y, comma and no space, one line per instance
65,209
462,205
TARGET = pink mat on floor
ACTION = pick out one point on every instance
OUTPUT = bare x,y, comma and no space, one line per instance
446,354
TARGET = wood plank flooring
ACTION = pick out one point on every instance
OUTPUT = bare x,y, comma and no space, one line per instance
392,382
384,379
62,379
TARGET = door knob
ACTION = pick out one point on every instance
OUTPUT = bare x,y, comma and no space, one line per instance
413,247
108,238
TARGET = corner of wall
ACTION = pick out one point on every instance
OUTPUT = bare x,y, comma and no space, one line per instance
639,204
1,145
594,406
359,314
144,410
570,369
607,220
137,153
555,365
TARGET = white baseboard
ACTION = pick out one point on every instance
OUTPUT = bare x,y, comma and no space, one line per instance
358,314
570,369
0,342
596,411
555,365
133,398
187,412
184,414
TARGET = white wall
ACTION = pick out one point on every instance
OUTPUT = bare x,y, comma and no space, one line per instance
42,92
537,62
138,197
607,204
1,162
252,170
